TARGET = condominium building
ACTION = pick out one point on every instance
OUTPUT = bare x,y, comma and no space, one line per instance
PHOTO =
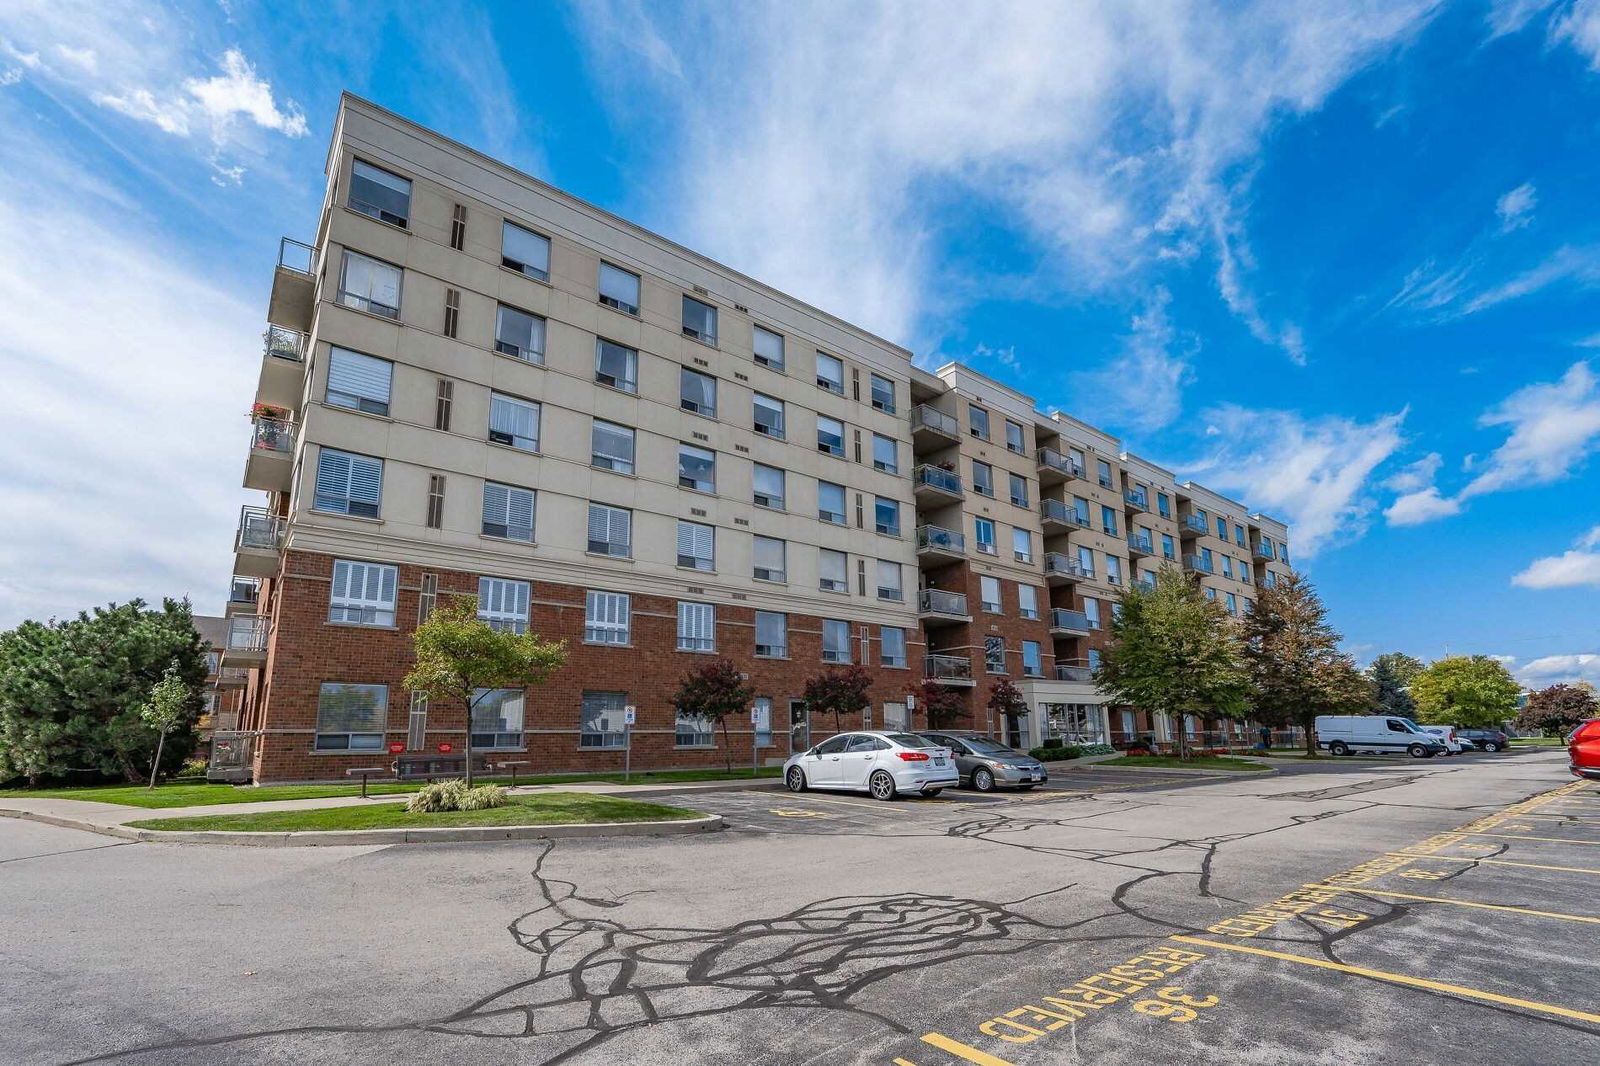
474,384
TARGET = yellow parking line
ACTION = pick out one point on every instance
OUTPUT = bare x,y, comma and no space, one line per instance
1459,903
884,807
1521,836
1493,862
1542,814
1396,978
964,1051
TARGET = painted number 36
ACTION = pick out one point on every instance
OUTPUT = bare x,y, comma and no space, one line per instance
1171,1003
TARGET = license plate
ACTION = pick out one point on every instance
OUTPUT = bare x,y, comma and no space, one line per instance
938,762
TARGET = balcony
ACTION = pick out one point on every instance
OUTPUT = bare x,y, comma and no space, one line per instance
247,641
1057,517
233,676
935,485
243,596
1072,672
935,542
1055,468
1139,544
257,543
1061,570
283,368
1065,623
1197,564
1262,551
948,670
937,607
1136,501
1191,526
271,462
932,428
294,286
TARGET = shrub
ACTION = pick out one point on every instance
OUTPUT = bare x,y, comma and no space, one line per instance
454,795
195,767
482,798
1056,752
1097,749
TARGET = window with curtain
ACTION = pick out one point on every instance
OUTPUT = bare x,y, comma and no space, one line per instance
1014,438
699,320
768,348
368,284
359,382
1021,545
1019,490
834,570
697,468
768,416
982,478
513,422
611,447
890,585
519,334
508,512
380,194
616,365
768,486
697,626
697,392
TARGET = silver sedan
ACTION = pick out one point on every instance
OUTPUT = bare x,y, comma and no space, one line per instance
882,763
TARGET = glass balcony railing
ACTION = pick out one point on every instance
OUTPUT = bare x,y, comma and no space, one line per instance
1137,499
1058,565
284,343
937,477
1061,618
1262,550
1054,460
1073,672
296,256
937,601
1198,563
259,529
947,668
1056,511
248,632
1138,542
244,590
936,538
1192,524
925,417
272,434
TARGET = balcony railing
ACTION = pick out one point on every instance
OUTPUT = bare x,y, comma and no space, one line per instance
925,417
284,343
1262,551
273,435
1061,618
245,590
1074,673
1056,511
937,477
938,601
1137,499
1138,542
1058,565
296,256
937,538
1192,524
947,668
248,632
1197,563
1054,460
260,529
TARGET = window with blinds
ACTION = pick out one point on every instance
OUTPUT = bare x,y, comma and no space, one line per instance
513,422
769,487
889,581
768,348
989,593
830,502
348,484
697,626
830,436
772,635
508,512
359,382
519,334
885,454
380,194
616,365
830,372
883,394
696,546
367,284
601,724
834,570
503,603
611,447
362,593
835,641
886,515
606,618
1027,601
769,556
497,715
351,717
525,251
610,530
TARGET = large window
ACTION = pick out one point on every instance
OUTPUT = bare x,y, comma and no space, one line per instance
508,512
610,530
768,416
619,288
699,320
362,593
697,626
830,435
1032,662
982,478
525,251
892,641
978,421
694,731
616,365
513,422
989,593
890,586
835,641
503,603
769,555
697,468
883,394
830,372
601,725
348,484
994,654
885,454
1027,601
519,334
768,487
380,194
768,348
696,545
359,382
697,392
833,570
497,718
772,635
830,502
351,717
369,285
606,617
611,447
886,515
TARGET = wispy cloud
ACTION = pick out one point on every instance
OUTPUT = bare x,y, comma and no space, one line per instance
1515,208
1578,566
1555,669
1141,386
1575,266
1574,23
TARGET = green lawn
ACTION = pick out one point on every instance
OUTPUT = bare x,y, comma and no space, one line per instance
565,808
1198,762
1540,742
204,795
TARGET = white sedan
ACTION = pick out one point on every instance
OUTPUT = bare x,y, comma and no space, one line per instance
1447,737
882,763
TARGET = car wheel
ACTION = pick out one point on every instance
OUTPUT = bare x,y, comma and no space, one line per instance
982,780
1417,751
1338,747
795,779
882,786
1491,746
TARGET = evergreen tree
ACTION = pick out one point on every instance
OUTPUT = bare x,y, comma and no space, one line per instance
1393,673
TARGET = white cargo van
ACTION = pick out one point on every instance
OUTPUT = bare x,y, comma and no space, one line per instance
1342,734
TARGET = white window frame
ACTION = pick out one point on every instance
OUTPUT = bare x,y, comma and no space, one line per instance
891,464
986,585
878,525
504,603
498,739
897,661
538,328
985,545
1021,544
697,626
766,497
369,301
693,730
358,382
761,337
833,380
823,425
618,275
887,403
775,409
765,545
607,618
838,517
528,267
603,460
694,405
893,591
363,475
688,480
628,381
701,540
825,578
836,641
509,411
615,518
993,664
506,501
372,210
773,651
598,709
373,603
1027,600
703,336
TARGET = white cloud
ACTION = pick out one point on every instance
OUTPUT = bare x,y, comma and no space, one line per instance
1575,23
238,90
1577,266
1554,669
141,104
1576,567
1554,427
1430,287
1419,506
1417,475
1515,208
1141,387
1580,28
84,58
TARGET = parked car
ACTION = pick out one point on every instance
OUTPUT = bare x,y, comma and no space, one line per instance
1487,739
1342,734
1583,750
882,763
984,763
1446,733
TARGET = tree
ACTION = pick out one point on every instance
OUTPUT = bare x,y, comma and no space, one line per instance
1393,673
1473,691
1556,710
1296,669
715,691
1005,699
70,691
842,692
1174,652
943,705
462,657
171,704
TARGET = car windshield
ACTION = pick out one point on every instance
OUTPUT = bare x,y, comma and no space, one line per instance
911,740
986,746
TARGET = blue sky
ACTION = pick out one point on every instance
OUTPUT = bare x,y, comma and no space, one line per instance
1338,259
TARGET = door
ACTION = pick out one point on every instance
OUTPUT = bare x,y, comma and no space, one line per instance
860,758
799,727
824,767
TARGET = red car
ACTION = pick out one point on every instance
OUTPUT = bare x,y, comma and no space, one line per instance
1583,750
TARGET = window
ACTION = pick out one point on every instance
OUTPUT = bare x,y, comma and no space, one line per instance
978,421
1032,663
1027,601
1211,594
697,626
525,251
611,447
696,546
768,416
1227,566
830,373
1248,604
606,617
348,484
1233,604
1021,545
1164,505
883,394
1091,610
519,334
1081,506
601,724
889,581
427,596
892,643
458,226
497,717
697,468
1166,547
443,400
1075,457
619,288
693,731
507,512
513,422
380,194
830,502
363,593
358,381
368,285
1108,520
769,556
1103,471
1086,561
504,604
1270,579
616,365
830,436
699,320
886,515
1222,529
761,709
1201,515
835,641
1206,559
697,392
1238,535
768,486
1094,660
1014,438
982,478
772,634
417,723
989,593
1019,490
610,530
351,717
435,518
984,528
994,654
1113,569
885,454
768,348
834,570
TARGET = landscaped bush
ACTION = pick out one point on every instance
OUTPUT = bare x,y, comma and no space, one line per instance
482,798
1097,749
454,795
1056,753
195,767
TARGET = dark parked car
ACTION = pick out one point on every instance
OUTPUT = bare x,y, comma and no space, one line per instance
985,764
1486,739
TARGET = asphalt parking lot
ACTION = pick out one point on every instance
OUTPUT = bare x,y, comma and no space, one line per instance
1397,912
